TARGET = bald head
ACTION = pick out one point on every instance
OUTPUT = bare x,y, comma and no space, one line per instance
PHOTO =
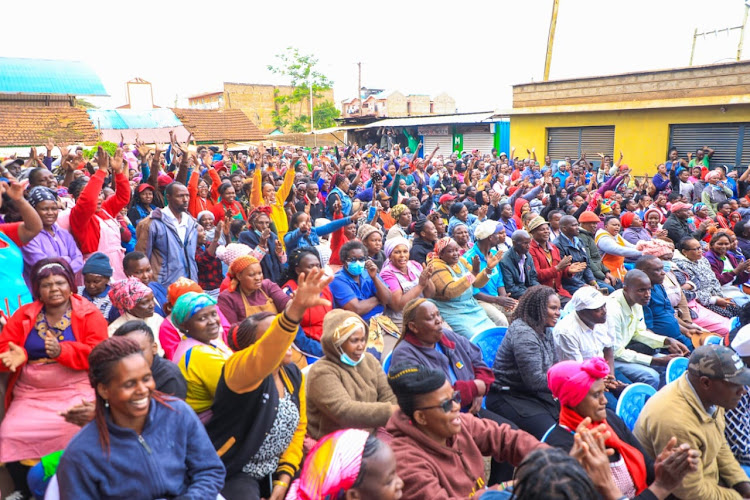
521,242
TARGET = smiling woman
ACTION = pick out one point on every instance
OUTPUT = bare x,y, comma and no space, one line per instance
134,300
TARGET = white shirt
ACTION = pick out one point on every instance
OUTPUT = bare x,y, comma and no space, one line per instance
180,224
577,342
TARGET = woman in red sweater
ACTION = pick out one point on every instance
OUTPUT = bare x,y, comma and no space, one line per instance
45,346
92,219
303,260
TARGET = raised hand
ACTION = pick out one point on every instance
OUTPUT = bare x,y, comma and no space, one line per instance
307,296
116,162
14,357
15,190
475,265
493,260
50,145
102,159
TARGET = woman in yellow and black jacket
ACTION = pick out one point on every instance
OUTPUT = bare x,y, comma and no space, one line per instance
259,412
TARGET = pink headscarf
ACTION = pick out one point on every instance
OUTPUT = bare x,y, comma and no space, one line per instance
332,466
126,293
570,381
657,248
680,205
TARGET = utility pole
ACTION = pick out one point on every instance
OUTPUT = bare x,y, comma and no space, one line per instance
551,39
359,86
725,30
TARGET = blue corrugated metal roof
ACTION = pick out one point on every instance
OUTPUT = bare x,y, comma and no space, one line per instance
123,119
45,76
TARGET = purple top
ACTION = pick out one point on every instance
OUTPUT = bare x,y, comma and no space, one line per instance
60,244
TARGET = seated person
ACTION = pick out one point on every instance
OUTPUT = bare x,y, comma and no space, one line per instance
714,383
357,287
249,293
201,353
137,265
131,416
517,266
727,269
96,275
134,300
439,450
520,392
625,319
570,245
347,387
349,463
259,419
550,268
738,419
580,388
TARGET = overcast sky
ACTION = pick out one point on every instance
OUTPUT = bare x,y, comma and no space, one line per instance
473,50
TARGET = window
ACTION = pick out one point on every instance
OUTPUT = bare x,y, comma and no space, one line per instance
575,141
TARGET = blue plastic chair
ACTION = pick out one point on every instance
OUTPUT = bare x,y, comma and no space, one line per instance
676,368
631,402
489,341
714,339
735,323
387,362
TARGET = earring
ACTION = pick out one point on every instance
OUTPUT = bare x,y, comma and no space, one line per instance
106,403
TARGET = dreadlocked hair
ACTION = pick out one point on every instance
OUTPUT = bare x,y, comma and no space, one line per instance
102,361
372,446
244,334
532,307
552,474
293,260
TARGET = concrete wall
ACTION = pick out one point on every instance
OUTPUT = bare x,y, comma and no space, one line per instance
642,135
418,105
257,101
443,104
395,105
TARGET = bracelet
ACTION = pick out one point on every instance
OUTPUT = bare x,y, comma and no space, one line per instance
280,483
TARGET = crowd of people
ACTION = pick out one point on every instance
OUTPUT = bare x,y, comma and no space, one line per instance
192,322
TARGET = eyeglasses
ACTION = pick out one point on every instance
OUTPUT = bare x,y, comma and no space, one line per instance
692,249
446,406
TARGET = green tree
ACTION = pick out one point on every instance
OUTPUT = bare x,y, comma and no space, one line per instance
325,114
300,69
83,103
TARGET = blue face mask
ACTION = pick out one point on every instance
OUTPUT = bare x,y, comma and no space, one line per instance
349,361
355,268
667,266
690,220
259,233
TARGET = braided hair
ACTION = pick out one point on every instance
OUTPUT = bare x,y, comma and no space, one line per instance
294,258
102,362
410,382
532,307
245,333
552,474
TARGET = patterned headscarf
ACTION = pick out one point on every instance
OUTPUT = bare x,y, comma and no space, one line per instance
126,293
181,287
189,304
398,210
40,194
239,265
332,466
230,252
440,246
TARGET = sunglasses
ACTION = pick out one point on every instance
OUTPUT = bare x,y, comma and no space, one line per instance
447,405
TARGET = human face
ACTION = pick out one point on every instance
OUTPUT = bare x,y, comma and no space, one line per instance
684,175
250,278
179,199
350,231
374,243
381,478
692,250
429,233
720,246
203,189
463,214
723,393
427,324
303,223
355,345
129,391
207,221
140,269
594,404
682,214
507,212
205,325
144,308
355,255
404,219
577,201
54,290
525,208
554,221
148,347
541,234
591,317
262,222
147,196
521,244
645,201
236,183
653,219
725,210
312,192
662,169
451,253
553,310
639,291
433,420
268,192
613,227
400,257
461,235
637,222
47,179
307,264
229,194
94,283
654,269
570,228
48,211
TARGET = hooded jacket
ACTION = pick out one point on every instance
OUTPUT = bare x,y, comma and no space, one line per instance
342,396
171,258
433,471
517,206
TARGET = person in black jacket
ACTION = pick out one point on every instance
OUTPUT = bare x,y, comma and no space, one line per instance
260,235
425,236
580,387
259,412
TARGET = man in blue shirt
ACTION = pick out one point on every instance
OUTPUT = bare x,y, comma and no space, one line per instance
357,287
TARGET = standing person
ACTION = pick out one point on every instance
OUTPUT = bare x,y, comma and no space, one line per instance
142,204
52,241
169,238
13,236
715,382
266,194
520,392
134,421
92,218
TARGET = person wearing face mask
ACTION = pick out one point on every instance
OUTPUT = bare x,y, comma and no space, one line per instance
355,290
347,387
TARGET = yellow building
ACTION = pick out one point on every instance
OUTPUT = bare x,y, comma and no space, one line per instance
640,114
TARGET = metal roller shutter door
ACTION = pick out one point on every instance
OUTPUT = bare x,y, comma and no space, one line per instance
595,140
562,142
483,142
745,154
445,142
723,137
